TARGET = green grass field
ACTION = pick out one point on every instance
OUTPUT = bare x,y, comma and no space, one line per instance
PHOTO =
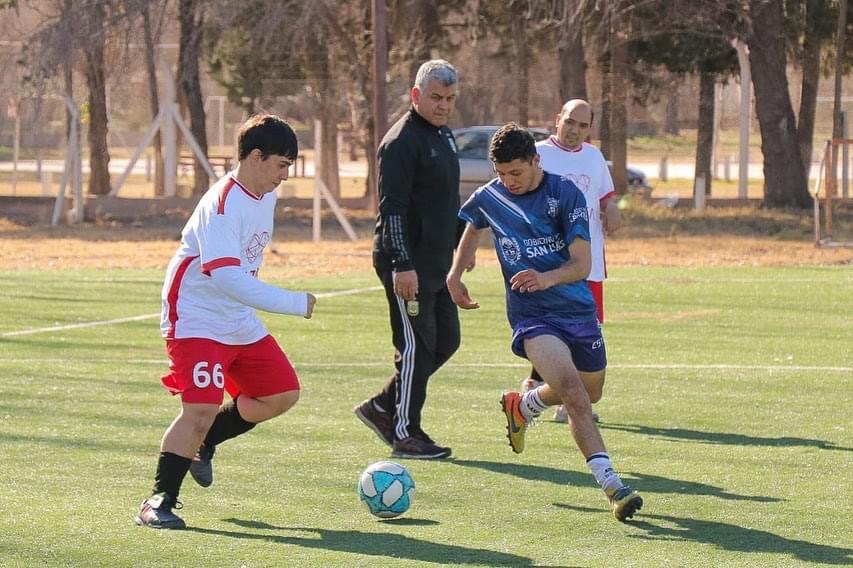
727,406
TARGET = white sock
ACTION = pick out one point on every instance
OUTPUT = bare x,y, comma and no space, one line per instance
602,470
531,404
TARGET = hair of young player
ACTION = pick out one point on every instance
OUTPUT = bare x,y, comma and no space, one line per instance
268,133
512,142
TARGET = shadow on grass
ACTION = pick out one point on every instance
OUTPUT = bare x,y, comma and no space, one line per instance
371,544
643,483
732,537
681,434
73,442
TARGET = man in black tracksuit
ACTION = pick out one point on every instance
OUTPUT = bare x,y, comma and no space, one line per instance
417,230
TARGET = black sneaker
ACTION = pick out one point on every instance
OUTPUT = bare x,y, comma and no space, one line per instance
419,447
156,512
201,468
382,423
426,438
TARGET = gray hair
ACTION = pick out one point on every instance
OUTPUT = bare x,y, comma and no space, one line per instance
438,70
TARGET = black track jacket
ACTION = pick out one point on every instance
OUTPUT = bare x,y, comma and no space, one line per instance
417,226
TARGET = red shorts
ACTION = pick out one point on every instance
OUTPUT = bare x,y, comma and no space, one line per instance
201,370
597,289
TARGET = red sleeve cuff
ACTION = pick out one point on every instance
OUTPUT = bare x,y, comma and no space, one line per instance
219,263
608,196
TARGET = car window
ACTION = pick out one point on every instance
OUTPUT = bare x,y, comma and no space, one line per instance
473,145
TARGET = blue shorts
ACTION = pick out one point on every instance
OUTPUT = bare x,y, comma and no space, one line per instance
584,340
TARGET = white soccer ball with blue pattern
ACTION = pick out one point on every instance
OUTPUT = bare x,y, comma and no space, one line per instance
387,489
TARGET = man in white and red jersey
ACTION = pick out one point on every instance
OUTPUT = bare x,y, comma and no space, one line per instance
568,154
214,339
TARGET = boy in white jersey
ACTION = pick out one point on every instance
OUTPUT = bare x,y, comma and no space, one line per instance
214,339
568,154
541,233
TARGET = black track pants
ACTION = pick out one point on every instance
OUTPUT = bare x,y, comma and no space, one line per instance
423,343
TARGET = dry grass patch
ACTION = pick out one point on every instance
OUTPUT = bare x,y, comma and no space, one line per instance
651,236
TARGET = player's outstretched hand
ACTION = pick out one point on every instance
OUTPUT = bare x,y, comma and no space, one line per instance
311,301
529,280
459,294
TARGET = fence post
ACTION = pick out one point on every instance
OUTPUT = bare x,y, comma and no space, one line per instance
845,158
699,193
46,183
663,174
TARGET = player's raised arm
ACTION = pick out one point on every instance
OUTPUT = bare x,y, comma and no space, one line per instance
234,282
463,258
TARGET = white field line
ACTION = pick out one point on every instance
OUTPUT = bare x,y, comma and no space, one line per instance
156,315
76,325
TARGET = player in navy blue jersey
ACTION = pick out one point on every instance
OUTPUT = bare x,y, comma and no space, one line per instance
540,226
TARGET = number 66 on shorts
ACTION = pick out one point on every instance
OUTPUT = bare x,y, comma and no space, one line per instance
201,370
202,378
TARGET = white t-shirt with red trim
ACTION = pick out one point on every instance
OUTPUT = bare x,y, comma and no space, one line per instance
226,234
587,168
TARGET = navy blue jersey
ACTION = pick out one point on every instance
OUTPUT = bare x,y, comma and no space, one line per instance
534,230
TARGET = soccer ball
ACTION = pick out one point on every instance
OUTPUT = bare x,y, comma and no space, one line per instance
387,489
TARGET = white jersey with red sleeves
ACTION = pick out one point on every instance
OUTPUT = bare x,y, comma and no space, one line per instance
588,170
229,227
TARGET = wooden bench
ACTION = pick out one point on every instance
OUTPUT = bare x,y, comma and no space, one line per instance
221,164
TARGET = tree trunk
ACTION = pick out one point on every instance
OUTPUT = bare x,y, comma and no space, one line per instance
604,119
326,155
153,98
705,129
522,57
99,156
837,127
784,176
68,66
619,108
671,121
811,77
571,58
331,173
424,19
371,183
359,96
191,20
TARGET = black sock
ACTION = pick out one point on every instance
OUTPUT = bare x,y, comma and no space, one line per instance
227,424
171,470
534,374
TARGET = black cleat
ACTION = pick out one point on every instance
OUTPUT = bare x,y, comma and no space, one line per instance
625,502
156,512
201,467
